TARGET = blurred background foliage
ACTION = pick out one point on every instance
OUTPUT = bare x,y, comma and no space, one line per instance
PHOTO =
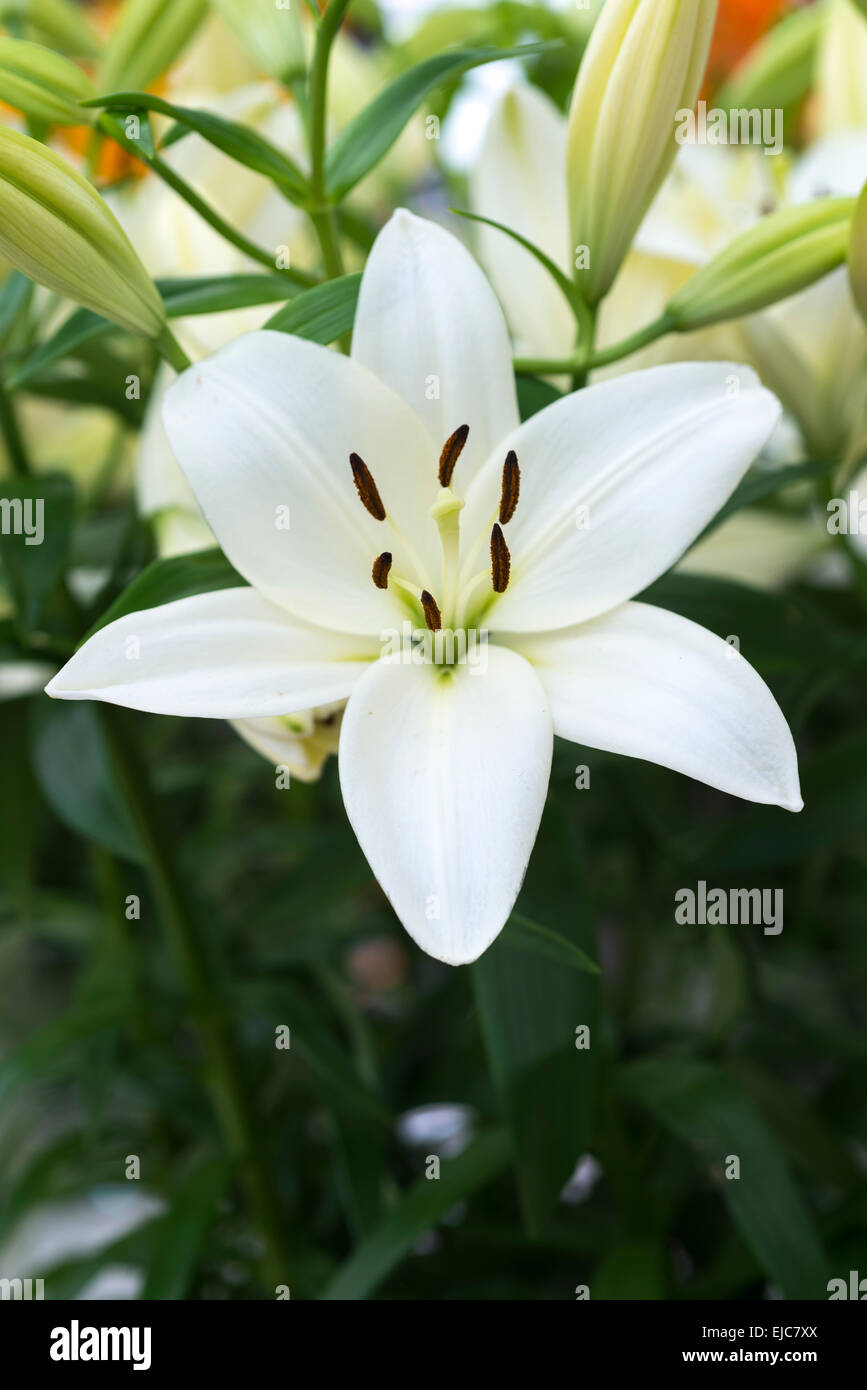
562,1165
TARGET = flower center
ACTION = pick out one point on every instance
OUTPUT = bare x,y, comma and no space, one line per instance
464,593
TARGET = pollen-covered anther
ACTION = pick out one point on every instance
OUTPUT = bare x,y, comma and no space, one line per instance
432,615
511,490
452,450
501,561
381,568
366,487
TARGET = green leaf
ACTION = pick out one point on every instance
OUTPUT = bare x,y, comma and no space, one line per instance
419,1209
239,142
15,295
166,580
707,1108
374,130
81,326
37,515
183,297
523,934
567,287
534,394
633,1272
321,314
18,789
181,1232
74,771
534,988
218,294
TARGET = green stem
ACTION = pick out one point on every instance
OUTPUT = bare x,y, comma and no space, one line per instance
585,317
228,1087
12,435
164,171
322,213
556,366
326,32
171,351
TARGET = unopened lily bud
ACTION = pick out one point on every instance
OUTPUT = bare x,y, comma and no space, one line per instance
643,65
42,84
55,228
147,37
61,24
781,254
271,34
858,254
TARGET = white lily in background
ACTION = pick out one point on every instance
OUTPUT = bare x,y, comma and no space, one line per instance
537,535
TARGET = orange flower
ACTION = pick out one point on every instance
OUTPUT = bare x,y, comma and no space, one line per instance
740,24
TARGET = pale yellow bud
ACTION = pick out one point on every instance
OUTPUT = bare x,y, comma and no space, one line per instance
55,228
781,254
42,84
644,64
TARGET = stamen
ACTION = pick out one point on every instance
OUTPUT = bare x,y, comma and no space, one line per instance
501,562
452,450
381,567
367,489
432,615
511,487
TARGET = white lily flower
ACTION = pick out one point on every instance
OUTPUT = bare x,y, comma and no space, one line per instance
444,766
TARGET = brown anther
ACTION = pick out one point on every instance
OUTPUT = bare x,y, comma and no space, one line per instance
501,561
511,487
381,568
367,489
432,615
452,450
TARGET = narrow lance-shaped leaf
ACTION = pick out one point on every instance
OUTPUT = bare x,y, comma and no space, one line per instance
707,1108
374,130
237,141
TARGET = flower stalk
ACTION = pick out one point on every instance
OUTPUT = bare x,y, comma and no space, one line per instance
179,915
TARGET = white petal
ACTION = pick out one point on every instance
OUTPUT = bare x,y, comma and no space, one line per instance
300,743
616,482
223,655
429,324
519,179
653,685
444,780
263,431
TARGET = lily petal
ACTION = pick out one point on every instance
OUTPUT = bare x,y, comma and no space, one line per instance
519,180
616,482
263,431
653,685
444,779
429,324
223,655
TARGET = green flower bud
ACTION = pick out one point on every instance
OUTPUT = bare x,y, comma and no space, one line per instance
59,23
148,36
55,228
858,254
644,64
781,254
42,84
